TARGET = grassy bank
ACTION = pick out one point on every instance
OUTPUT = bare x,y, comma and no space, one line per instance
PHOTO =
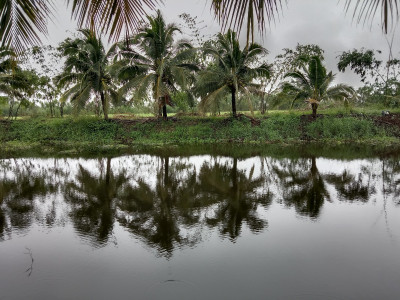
92,134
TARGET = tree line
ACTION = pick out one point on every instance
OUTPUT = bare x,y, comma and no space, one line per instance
154,64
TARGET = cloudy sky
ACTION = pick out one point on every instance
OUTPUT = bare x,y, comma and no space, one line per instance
321,22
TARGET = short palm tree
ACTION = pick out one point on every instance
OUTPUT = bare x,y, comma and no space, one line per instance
86,73
313,84
152,60
231,71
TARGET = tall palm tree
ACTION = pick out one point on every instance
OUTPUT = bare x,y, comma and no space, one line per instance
313,84
86,71
152,59
231,71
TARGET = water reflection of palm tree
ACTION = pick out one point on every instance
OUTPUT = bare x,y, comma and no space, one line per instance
91,197
306,191
350,188
17,194
237,196
157,214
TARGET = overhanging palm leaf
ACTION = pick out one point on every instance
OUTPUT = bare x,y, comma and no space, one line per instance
367,9
112,16
232,13
21,21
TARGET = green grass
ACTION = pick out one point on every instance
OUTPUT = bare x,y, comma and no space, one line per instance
96,135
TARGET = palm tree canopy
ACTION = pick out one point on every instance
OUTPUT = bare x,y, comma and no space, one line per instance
153,59
313,82
86,69
231,69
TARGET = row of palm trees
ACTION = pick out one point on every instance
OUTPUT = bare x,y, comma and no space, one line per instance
154,62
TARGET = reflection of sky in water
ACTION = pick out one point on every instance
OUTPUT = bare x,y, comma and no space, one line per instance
349,250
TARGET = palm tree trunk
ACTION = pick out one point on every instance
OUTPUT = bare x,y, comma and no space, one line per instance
314,107
104,105
164,110
234,102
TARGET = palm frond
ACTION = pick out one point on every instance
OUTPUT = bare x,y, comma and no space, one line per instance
365,10
113,17
21,21
232,13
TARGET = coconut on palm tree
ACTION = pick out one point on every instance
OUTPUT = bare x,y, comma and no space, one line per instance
86,71
313,84
152,61
232,70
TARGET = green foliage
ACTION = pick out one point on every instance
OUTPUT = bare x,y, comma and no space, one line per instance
41,130
380,78
362,62
94,133
345,129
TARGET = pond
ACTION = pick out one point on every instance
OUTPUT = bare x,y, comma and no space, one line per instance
201,226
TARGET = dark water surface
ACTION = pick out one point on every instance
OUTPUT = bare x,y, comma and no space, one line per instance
200,227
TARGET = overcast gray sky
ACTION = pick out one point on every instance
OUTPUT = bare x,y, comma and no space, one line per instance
321,22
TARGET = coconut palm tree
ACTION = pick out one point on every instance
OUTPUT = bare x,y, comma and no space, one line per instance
232,70
153,60
86,71
313,84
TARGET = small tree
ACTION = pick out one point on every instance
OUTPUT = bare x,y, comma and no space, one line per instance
380,77
314,85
